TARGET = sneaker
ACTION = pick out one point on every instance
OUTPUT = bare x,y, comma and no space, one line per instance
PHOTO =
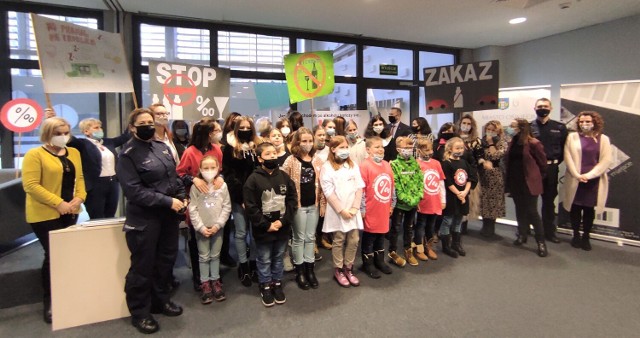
206,296
278,292
396,259
218,293
408,255
266,294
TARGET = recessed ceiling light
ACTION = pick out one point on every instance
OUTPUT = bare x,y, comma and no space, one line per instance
517,21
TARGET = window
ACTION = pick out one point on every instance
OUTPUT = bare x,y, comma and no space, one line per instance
344,55
374,57
430,59
342,98
252,52
22,40
178,44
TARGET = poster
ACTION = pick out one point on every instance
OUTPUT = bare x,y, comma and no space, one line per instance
514,103
309,75
619,105
76,59
462,88
190,92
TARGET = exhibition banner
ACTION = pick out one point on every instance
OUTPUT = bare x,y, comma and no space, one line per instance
190,92
309,75
361,117
77,59
514,103
462,88
619,105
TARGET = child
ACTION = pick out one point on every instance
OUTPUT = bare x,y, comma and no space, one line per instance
433,200
342,185
304,169
376,208
408,182
271,202
458,183
209,213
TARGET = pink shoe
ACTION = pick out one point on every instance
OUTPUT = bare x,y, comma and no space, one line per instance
353,280
340,278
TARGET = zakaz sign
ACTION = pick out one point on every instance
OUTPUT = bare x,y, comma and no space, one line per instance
462,88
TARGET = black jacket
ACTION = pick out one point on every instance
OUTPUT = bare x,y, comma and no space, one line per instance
390,151
235,171
267,198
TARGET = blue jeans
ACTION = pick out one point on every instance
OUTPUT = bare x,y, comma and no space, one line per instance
269,261
304,234
425,223
450,223
209,255
242,232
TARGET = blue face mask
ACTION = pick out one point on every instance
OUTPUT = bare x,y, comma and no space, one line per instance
509,131
97,135
342,154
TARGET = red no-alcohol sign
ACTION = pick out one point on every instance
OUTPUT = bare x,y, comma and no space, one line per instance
171,88
21,115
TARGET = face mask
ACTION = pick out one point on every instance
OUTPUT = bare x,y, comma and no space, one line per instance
342,154
425,157
331,131
270,164
217,137
406,153
457,155
97,135
60,140
586,127
377,158
285,131
245,136
320,145
542,112
447,136
162,121
181,132
465,128
393,119
352,136
415,130
378,129
306,147
209,175
510,131
491,134
145,133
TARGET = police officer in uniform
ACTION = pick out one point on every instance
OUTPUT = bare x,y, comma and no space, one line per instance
147,173
552,134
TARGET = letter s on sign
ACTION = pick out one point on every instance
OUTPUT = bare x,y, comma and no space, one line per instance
163,70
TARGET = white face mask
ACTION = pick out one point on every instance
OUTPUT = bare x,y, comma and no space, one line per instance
465,128
378,158
209,175
285,131
60,141
217,137
331,131
342,154
306,147
378,129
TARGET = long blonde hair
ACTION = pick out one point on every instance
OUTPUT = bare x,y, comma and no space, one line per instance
448,147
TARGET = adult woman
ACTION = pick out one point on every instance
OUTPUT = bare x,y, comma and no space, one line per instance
492,203
420,129
238,162
357,149
304,170
54,185
180,131
468,132
99,158
201,145
377,126
163,134
526,162
147,174
446,132
587,155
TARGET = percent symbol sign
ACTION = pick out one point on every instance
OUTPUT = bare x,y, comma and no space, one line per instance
27,117
202,106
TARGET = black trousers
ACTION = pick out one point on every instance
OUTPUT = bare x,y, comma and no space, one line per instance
41,229
372,242
401,219
102,199
585,214
550,186
526,214
153,254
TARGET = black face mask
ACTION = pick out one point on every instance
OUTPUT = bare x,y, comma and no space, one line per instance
392,119
415,130
446,136
245,136
145,133
270,164
542,112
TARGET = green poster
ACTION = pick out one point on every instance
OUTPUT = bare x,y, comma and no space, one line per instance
309,75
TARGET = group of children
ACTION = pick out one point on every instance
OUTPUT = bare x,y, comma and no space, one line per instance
377,197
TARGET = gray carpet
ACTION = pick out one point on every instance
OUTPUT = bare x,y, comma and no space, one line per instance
498,290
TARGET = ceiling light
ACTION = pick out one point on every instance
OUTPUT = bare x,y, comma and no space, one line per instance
517,21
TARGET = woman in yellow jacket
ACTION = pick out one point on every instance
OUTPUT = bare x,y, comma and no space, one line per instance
53,182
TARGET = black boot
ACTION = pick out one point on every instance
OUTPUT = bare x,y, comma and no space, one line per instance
576,241
301,278
457,244
379,263
445,241
521,239
367,266
542,249
253,271
463,227
585,244
244,274
46,312
311,274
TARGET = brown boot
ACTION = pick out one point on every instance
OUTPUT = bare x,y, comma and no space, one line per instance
430,253
418,252
408,256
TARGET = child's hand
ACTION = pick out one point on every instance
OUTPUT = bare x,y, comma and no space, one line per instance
345,214
275,226
390,211
444,205
205,232
323,210
213,230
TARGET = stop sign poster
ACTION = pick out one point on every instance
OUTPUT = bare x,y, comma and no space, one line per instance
309,75
462,88
190,92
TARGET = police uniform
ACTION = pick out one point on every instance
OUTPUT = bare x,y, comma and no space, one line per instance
147,174
552,134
